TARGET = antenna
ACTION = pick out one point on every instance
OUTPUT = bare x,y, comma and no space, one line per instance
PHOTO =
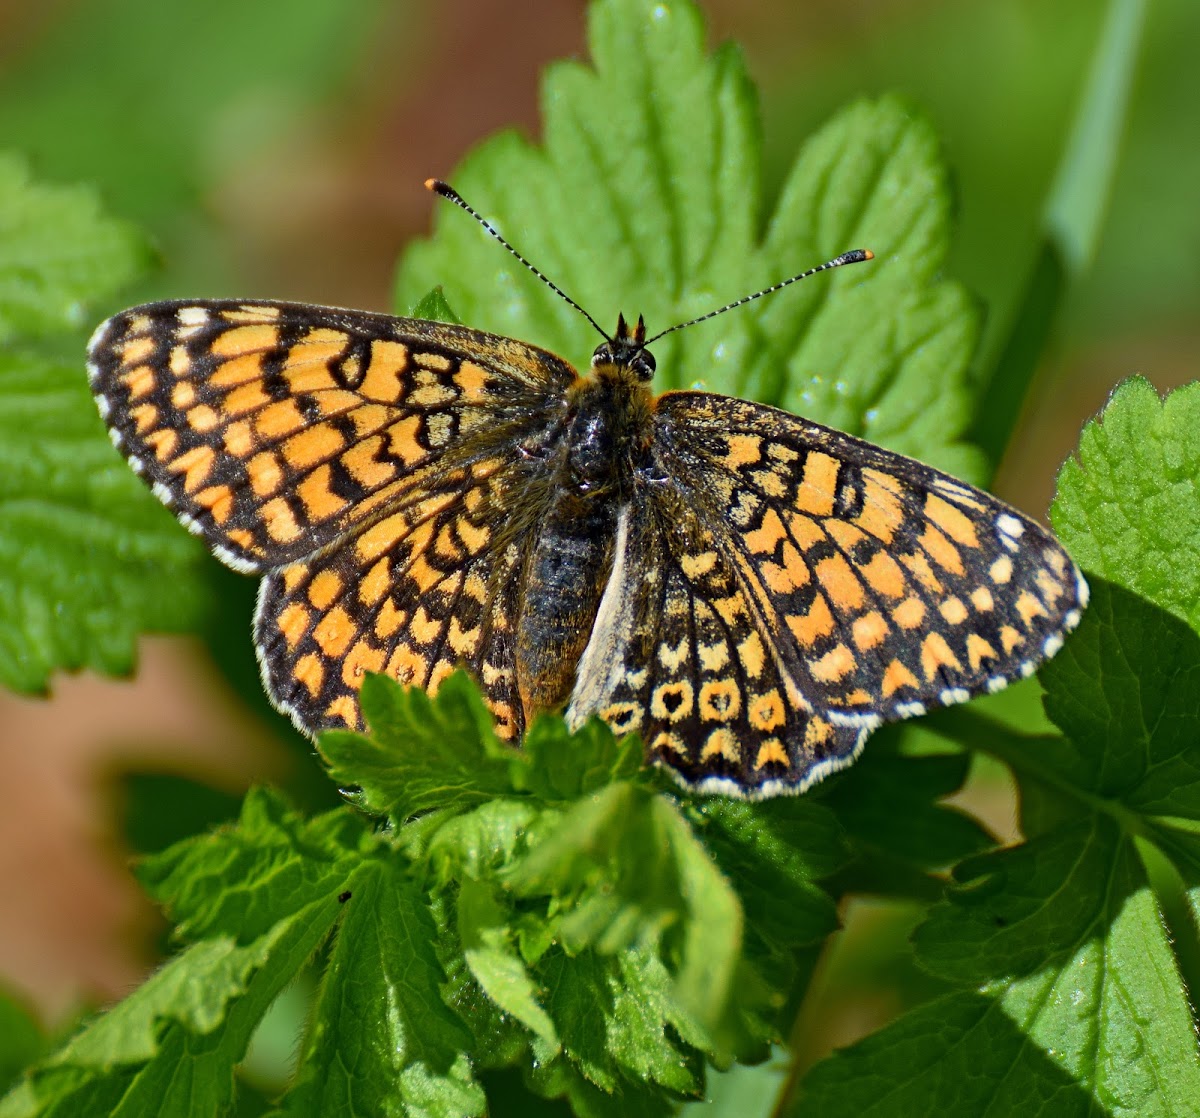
447,191
854,256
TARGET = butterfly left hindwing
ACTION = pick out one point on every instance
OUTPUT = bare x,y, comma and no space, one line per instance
427,588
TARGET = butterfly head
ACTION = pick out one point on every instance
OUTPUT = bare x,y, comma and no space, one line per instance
627,350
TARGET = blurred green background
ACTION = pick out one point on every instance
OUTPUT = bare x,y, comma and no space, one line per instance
277,149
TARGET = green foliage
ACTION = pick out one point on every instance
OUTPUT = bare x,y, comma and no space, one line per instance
433,307
88,558
1128,500
21,1039
59,254
1070,223
558,920
658,145
460,761
143,95
1064,934
573,923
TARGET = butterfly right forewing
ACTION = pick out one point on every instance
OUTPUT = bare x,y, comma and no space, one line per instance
271,429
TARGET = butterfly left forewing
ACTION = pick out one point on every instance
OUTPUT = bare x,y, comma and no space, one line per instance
892,588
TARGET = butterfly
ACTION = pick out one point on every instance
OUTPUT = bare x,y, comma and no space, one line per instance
751,592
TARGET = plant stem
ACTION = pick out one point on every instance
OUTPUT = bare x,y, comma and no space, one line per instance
1071,221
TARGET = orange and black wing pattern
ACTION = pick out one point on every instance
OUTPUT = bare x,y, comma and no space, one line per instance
777,589
682,653
273,429
363,463
429,587
781,589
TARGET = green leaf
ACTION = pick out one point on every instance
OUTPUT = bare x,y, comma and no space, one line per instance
1127,504
559,821
564,764
889,805
483,843
59,254
1067,931
170,1047
712,919
742,1091
500,1039
628,1041
434,308
657,146
228,80
1075,208
776,851
1071,220
1064,933
88,558
497,966
628,870
1124,691
238,879
551,856
884,356
1124,688
608,855
259,898
674,129
562,1079
382,1040
21,1038
420,753
961,1055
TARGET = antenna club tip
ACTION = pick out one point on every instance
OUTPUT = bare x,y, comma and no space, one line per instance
868,254
438,187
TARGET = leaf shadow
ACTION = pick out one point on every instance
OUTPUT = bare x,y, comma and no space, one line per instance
962,1050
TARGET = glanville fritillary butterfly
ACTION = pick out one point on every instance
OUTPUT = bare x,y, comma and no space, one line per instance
751,592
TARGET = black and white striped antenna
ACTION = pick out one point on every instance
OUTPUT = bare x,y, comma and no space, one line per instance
854,256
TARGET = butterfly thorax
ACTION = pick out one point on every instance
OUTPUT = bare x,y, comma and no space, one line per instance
608,435
598,462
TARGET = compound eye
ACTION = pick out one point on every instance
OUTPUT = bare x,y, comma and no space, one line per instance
643,364
602,354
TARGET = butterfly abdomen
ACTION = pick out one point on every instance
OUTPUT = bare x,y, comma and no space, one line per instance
565,577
